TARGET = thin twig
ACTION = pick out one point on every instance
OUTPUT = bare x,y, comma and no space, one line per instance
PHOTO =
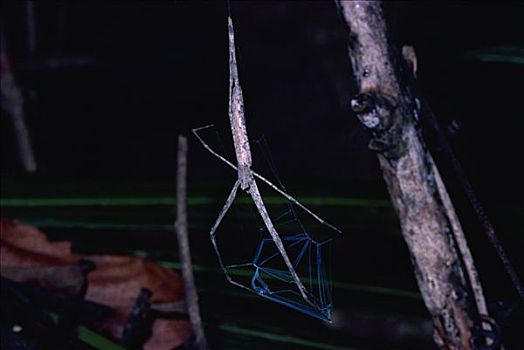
462,243
475,203
13,103
183,246
409,54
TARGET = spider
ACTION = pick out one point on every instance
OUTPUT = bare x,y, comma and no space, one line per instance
315,305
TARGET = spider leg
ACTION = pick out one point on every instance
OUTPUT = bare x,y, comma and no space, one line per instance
261,178
257,198
212,233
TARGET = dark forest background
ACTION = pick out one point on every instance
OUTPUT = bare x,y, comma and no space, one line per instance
152,70
111,84
148,71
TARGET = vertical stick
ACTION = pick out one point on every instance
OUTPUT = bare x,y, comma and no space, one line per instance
13,103
183,245
386,106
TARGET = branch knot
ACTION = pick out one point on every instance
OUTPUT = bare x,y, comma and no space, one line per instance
378,113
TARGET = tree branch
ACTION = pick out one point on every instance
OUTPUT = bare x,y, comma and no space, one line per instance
386,106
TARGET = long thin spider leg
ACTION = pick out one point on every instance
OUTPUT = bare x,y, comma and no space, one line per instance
206,146
212,233
257,198
262,178
246,177
294,201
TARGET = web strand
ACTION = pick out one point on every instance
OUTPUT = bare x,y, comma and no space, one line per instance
269,276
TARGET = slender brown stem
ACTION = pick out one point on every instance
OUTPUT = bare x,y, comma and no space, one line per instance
183,246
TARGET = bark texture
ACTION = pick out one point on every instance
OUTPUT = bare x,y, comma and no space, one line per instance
386,106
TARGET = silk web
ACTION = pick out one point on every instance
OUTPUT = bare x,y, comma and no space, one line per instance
247,253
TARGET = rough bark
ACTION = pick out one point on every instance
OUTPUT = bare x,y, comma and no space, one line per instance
386,106
191,295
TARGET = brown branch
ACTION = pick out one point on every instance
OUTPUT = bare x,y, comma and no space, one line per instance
443,265
181,229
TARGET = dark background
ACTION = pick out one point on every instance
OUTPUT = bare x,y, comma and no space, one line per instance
153,70
158,69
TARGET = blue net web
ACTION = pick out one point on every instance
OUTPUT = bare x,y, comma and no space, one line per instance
251,260
273,281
